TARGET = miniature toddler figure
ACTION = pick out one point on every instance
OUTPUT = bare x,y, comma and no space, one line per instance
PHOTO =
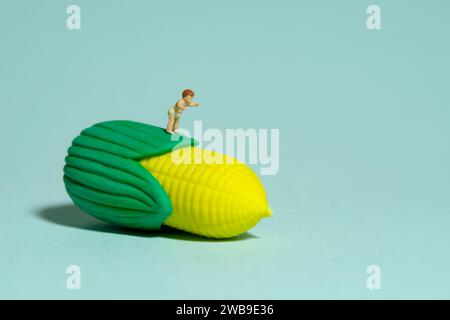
176,111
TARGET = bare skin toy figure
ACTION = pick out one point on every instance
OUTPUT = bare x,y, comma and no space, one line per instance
176,111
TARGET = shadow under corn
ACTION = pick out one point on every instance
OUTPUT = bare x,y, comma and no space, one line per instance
69,215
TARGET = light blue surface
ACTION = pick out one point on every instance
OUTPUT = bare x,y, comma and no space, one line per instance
364,123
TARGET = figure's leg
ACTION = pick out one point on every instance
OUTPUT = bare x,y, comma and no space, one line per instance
176,125
170,123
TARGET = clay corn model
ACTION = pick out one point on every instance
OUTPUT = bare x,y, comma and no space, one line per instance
136,175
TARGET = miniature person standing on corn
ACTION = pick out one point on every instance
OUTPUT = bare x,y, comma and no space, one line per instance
175,112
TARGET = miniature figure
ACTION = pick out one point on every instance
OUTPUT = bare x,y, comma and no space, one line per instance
176,111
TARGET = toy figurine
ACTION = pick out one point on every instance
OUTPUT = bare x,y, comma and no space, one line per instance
176,111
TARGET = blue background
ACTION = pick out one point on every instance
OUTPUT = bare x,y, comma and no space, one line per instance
364,151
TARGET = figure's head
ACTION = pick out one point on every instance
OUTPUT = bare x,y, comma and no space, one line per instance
187,95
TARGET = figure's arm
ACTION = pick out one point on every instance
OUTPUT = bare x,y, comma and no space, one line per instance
193,104
181,105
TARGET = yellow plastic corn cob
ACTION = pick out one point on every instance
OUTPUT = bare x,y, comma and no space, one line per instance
218,197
